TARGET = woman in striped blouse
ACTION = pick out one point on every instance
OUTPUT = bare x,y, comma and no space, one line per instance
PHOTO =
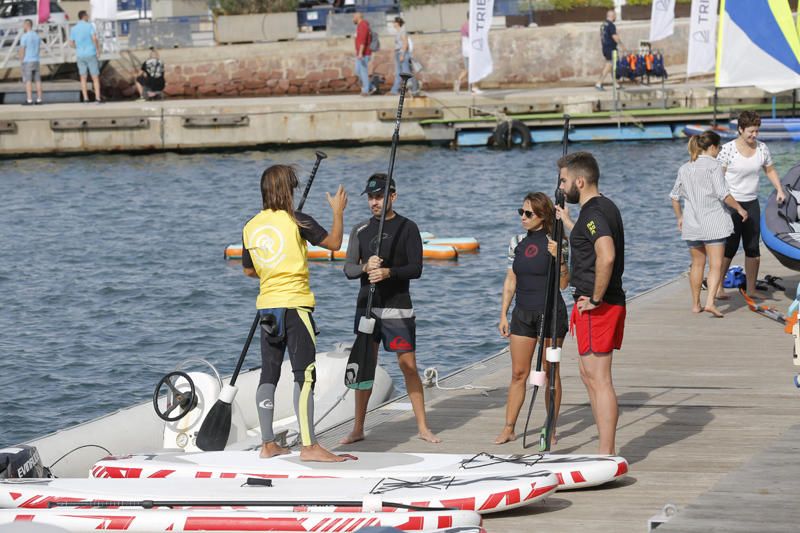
704,222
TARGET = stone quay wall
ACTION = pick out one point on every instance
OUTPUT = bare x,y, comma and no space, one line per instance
567,53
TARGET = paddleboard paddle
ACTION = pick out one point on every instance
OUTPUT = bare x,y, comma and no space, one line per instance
213,433
320,156
360,371
538,377
216,427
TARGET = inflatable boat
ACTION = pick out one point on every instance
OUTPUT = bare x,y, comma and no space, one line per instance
780,224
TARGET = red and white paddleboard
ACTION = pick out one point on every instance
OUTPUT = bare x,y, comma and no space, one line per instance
484,494
84,520
572,471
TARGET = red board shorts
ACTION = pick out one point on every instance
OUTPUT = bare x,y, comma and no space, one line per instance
600,330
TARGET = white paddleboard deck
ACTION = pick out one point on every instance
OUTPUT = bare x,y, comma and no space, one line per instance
484,494
572,471
198,519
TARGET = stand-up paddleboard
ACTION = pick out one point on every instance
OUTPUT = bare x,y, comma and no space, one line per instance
572,471
198,519
484,494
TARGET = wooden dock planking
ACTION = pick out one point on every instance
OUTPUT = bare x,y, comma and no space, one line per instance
699,397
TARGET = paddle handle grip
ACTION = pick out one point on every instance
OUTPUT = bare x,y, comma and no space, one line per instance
320,156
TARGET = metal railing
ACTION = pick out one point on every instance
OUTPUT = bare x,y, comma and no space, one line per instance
55,47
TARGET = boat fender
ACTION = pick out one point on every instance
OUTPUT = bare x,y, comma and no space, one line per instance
21,461
506,132
734,278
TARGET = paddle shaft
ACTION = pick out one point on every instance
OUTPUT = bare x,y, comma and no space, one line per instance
320,156
558,236
149,504
550,299
395,141
244,349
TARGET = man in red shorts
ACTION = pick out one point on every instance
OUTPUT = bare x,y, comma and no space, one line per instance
597,243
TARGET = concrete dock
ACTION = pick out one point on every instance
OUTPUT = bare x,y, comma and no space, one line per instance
708,421
235,123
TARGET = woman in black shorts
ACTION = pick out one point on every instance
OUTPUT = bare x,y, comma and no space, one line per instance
529,255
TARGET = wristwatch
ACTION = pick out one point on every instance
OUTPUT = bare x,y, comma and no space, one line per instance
594,303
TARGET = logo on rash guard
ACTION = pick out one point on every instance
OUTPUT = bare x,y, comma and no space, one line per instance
591,227
532,250
399,343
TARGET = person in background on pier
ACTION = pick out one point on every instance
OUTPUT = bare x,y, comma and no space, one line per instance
402,57
29,57
704,222
363,53
526,284
462,76
742,160
391,268
83,38
597,260
150,81
609,41
274,251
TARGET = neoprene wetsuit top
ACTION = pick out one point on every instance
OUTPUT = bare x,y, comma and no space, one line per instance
529,259
401,251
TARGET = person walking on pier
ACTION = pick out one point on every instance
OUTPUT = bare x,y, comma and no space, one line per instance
29,45
609,41
83,38
462,76
391,268
363,43
402,57
274,250
742,161
704,222
597,260
526,284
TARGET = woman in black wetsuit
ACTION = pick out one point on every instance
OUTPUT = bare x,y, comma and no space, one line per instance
529,255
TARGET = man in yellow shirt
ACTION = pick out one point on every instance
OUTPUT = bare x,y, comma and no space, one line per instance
275,251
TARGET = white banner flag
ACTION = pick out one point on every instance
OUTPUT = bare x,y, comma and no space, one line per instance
702,37
480,57
662,19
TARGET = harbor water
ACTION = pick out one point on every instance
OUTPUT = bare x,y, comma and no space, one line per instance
112,269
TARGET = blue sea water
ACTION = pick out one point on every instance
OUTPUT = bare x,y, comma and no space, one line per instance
112,270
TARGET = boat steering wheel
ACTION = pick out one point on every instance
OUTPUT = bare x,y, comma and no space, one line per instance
185,401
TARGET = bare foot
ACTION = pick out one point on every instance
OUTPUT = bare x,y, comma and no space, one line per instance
352,437
697,309
428,436
507,435
271,449
757,295
714,311
317,453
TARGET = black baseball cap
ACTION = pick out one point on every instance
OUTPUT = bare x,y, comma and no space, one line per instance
377,184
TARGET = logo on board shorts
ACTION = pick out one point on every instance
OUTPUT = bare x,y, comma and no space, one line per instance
350,373
399,343
267,247
532,250
592,227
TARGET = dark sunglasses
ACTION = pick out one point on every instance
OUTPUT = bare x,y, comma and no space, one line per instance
526,213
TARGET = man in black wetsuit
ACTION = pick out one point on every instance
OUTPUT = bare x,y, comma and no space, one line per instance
391,268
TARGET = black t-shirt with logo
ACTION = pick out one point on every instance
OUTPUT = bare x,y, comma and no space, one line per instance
401,251
599,218
607,32
529,259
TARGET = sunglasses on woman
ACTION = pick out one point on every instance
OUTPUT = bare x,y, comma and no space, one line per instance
525,213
